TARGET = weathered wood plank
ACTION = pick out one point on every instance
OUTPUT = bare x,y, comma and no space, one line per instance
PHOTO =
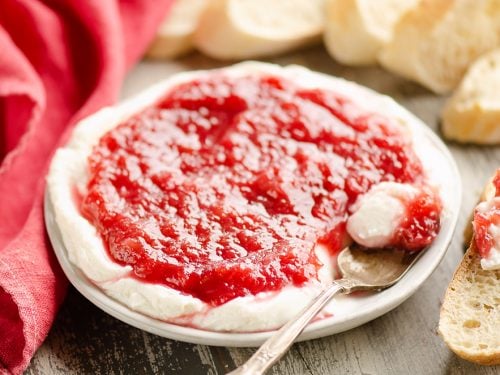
85,340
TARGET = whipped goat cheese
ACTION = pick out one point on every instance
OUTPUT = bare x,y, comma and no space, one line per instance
378,213
372,222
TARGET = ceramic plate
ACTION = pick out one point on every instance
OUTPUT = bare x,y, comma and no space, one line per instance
350,311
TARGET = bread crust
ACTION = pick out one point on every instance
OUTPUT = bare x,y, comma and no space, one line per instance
226,32
174,37
355,31
472,113
469,263
465,277
445,36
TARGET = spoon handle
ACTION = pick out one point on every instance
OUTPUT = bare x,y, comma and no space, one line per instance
277,345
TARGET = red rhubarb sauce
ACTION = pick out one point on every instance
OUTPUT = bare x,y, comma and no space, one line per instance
223,187
483,220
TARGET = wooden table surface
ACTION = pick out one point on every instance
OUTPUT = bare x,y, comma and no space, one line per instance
85,340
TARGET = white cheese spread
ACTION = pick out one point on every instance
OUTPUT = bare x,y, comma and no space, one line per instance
378,213
492,260
250,313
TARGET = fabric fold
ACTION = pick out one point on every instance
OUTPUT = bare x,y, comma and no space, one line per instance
60,61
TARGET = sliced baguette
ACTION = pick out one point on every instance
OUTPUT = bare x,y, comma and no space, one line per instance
472,114
241,29
469,321
175,35
436,41
355,30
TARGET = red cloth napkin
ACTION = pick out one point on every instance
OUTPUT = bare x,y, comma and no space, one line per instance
60,60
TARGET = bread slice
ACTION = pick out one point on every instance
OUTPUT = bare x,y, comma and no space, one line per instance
175,35
469,321
436,41
470,315
472,114
241,29
355,30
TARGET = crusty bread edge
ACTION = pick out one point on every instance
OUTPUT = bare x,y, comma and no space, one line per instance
170,46
471,256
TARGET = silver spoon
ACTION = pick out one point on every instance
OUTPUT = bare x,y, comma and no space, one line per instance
361,270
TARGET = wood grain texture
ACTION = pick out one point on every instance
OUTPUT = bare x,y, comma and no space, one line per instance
84,340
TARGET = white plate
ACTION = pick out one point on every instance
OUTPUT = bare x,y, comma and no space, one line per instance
351,311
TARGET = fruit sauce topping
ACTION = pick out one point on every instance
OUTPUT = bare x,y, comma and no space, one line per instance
484,218
223,188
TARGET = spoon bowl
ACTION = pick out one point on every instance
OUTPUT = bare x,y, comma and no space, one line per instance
361,269
375,268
